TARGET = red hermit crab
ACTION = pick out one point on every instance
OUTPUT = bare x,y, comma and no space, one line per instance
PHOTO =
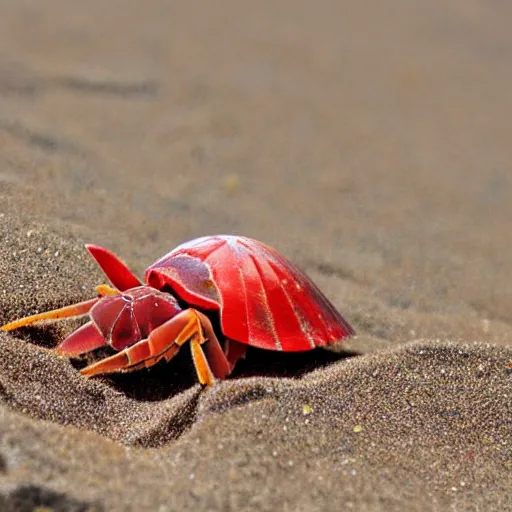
255,296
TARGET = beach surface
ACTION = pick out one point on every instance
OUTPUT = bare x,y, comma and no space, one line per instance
368,143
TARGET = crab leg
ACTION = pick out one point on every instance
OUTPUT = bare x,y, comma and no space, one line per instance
234,351
203,370
66,312
164,342
71,311
104,289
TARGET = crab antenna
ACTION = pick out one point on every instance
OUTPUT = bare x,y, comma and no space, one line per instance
117,272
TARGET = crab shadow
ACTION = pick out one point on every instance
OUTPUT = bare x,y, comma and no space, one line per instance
165,380
266,363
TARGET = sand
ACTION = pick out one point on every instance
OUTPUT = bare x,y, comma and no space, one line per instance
369,143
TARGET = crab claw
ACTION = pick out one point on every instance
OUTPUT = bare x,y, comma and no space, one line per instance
117,272
83,340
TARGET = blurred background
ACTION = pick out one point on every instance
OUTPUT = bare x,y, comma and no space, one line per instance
368,141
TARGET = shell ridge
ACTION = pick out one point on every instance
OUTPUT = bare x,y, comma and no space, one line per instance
306,332
267,308
323,303
300,320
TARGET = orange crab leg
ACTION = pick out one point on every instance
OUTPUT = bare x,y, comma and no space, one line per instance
104,289
164,343
66,312
203,370
71,311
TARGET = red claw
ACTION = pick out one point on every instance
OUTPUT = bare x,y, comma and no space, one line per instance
116,271
83,340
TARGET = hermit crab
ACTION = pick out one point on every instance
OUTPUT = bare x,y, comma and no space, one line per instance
220,294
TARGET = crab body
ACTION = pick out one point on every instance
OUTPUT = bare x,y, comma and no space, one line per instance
258,297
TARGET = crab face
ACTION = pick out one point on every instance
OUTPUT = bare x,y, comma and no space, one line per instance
126,318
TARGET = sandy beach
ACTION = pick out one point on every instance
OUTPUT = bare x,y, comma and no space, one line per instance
368,143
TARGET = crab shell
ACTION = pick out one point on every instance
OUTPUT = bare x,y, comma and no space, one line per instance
264,300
